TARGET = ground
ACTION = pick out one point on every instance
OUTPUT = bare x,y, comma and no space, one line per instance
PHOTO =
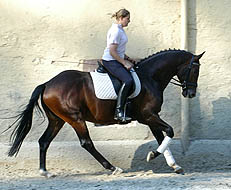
207,166
200,174
27,180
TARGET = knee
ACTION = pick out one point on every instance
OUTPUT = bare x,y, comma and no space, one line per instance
170,132
129,82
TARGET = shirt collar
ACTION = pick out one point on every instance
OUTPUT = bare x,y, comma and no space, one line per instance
118,25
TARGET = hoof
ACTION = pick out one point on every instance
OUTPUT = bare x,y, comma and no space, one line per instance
178,169
117,171
150,156
46,174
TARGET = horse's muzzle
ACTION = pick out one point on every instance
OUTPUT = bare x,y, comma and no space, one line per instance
190,93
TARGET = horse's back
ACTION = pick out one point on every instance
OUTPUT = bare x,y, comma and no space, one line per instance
68,76
67,79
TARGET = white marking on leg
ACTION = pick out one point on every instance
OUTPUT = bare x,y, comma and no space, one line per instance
169,157
164,145
150,156
171,162
46,173
117,171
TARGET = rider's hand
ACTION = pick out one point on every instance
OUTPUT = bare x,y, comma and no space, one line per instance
128,65
132,61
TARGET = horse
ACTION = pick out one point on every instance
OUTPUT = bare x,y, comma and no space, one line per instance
70,97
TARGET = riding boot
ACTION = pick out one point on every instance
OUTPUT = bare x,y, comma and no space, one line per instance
121,101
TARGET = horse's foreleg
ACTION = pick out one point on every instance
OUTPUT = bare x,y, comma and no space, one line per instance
171,161
155,123
167,153
157,126
86,142
52,130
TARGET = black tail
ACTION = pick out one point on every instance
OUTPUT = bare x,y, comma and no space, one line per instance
24,121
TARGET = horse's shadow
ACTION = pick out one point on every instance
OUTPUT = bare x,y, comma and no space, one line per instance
157,165
203,155
220,123
197,159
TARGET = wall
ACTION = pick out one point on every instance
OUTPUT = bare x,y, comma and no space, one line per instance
39,39
210,31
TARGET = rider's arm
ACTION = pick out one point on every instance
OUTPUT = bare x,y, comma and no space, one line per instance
129,59
114,54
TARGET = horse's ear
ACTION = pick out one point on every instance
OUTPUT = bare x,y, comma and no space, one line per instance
197,57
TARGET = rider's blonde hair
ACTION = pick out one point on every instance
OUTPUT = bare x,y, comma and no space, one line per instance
120,13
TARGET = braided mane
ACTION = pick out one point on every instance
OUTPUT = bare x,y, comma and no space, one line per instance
160,52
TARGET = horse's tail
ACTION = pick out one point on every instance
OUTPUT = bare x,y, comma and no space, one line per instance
24,121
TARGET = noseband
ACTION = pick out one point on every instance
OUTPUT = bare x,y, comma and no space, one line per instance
185,84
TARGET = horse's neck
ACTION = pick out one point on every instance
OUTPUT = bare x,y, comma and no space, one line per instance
160,71
164,73
163,66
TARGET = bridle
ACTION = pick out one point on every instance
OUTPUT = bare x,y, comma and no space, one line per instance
185,84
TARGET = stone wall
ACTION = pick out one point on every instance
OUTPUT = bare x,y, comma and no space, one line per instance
39,39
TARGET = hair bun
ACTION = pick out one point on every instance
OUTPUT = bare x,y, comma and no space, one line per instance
120,13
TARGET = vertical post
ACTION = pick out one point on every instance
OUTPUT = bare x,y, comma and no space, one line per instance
185,142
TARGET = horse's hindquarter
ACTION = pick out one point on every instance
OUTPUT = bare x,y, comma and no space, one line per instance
72,93
63,94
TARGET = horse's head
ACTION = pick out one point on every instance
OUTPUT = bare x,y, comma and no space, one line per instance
188,74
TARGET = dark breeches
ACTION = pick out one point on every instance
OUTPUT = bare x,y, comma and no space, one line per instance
119,71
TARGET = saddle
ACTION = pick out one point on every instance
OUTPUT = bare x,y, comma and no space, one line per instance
115,81
107,86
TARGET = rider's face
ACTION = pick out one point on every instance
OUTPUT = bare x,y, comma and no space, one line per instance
124,21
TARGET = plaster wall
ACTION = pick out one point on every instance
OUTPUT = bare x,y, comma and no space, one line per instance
39,39
210,31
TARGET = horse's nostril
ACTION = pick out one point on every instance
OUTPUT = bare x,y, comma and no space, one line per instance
192,95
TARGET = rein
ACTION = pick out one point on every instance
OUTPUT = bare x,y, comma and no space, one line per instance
185,84
178,82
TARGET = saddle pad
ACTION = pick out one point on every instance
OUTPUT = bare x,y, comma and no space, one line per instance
104,88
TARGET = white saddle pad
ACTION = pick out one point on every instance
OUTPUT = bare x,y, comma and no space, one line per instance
104,88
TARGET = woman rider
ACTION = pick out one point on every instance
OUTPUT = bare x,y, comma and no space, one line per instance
117,62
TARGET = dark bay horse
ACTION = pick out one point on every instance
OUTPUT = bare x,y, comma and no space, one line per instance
70,97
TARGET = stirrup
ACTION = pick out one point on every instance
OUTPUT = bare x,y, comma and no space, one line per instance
123,119
120,115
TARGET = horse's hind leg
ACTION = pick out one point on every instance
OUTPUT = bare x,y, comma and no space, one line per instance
86,142
54,126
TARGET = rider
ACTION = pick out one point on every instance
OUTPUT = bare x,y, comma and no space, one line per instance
117,62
